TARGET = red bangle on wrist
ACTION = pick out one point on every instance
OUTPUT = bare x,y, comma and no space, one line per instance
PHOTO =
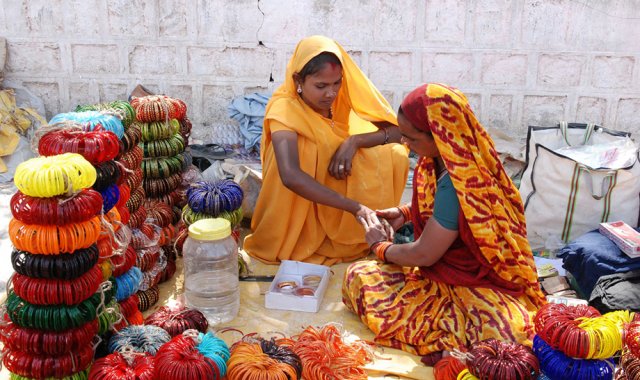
405,210
380,249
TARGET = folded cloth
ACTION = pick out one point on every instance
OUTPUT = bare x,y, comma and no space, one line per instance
592,256
619,291
248,110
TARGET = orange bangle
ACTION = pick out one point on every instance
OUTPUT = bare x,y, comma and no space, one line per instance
380,249
49,239
405,210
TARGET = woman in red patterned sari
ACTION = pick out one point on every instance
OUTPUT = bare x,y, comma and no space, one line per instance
469,275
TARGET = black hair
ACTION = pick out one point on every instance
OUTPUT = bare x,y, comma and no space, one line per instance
400,111
317,63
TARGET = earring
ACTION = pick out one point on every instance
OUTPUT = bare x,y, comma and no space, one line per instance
299,89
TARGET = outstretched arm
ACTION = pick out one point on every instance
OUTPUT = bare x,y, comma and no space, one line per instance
426,251
285,145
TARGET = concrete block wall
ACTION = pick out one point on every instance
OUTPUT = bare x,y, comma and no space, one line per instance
521,62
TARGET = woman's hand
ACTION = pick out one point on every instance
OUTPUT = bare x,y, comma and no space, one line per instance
375,230
340,165
393,216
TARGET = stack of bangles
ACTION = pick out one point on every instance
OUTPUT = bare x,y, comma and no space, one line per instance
189,216
120,107
161,186
136,198
95,146
52,239
52,317
92,120
107,173
59,210
40,291
380,249
185,128
47,177
580,331
52,343
159,130
65,266
148,298
158,108
162,167
163,148
132,159
73,364
173,198
134,179
137,217
131,138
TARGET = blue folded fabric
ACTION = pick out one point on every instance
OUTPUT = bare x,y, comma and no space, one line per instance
593,255
248,110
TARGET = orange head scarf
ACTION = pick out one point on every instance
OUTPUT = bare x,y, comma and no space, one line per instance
488,198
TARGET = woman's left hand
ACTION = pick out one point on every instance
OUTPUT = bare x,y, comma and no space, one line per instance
340,165
376,230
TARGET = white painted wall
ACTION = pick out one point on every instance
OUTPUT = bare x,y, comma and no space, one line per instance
520,62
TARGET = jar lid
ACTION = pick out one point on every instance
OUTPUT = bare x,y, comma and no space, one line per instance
210,229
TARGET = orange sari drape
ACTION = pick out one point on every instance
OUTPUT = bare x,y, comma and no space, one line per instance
287,226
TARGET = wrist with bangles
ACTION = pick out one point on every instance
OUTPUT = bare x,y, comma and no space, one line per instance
380,249
405,210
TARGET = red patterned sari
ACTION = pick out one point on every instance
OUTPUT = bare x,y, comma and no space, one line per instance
485,286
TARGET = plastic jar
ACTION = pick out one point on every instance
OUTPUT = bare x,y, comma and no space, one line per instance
210,257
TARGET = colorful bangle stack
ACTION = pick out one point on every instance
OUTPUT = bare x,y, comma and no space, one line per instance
118,366
95,146
120,107
177,320
162,167
405,210
148,298
163,148
77,208
132,159
53,239
51,343
38,291
380,249
189,216
131,138
92,120
214,198
159,130
65,266
161,186
158,108
257,358
192,355
56,175
139,338
44,367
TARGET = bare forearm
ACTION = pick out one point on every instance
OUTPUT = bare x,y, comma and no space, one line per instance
385,134
406,255
308,188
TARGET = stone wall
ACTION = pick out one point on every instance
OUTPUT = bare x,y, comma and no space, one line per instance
520,62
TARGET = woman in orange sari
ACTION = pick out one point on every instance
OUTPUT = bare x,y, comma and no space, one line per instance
469,275
328,156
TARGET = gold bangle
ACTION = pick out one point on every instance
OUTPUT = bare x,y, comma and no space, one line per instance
301,292
287,286
311,280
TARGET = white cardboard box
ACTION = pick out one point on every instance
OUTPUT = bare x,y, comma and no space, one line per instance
294,271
